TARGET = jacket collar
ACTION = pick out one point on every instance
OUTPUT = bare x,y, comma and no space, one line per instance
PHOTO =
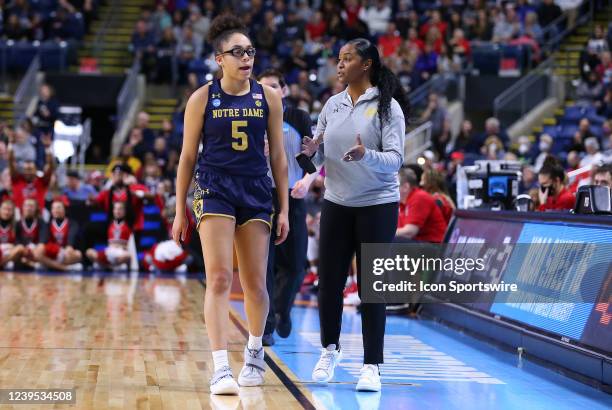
370,94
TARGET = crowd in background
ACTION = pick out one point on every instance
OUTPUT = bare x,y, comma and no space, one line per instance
23,20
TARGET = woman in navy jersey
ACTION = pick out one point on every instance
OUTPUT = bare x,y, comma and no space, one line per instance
233,200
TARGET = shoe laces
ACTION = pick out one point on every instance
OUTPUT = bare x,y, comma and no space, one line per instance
326,358
369,370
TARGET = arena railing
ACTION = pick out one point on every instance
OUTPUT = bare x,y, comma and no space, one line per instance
417,141
555,32
27,90
525,94
128,93
108,22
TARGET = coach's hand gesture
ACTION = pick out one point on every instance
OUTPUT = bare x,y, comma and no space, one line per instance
311,145
356,153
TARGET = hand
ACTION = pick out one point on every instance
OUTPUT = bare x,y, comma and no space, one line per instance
300,189
139,193
356,153
179,228
543,196
310,145
282,228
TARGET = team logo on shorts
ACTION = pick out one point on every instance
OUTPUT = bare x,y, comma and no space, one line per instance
258,103
216,102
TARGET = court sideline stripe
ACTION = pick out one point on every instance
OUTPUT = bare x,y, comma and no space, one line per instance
287,382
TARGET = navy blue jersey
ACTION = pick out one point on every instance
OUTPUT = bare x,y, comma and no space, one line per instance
233,132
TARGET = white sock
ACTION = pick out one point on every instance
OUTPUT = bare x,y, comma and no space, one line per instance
220,359
254,342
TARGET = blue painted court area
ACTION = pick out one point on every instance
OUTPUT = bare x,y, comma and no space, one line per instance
428,366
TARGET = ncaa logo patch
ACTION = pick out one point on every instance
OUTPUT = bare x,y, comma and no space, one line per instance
216,102
258,103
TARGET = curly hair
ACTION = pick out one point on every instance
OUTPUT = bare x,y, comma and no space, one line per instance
222,27
382,77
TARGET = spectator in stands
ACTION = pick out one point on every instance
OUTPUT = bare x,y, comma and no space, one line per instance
605,103
548,12
528,179
26,184
47,109
22,147
57,247
13,29
460,45
525,151
493,148
376,17
437,115
581,135
165,51
465,137
589,90
10,251
603,175
553,195
316,27
29,229
545,146
75,190
593,156
492,128
420,219
143,46
483,30
604,69
390,41
186,50
433,182
426,64
435,21
606,134
506,26
142,122
598,42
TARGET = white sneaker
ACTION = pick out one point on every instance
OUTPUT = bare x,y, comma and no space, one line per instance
369,380
324,370
222,382
252,373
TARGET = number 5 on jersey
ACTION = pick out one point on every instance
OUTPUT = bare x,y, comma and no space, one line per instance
242,138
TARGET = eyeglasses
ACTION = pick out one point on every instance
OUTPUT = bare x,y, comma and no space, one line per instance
238,52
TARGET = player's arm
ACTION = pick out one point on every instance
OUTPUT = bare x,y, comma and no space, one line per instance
49,164
278,159
194,121
407,231
11,162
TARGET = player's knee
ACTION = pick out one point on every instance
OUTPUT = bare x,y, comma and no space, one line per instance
220,281
91,254
256,292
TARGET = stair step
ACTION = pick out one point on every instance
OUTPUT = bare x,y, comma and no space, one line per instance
549,121
567,71
162,101
158,117
570,103
537,129
160,109
559,112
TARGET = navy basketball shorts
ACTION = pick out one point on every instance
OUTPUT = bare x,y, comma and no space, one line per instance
242,198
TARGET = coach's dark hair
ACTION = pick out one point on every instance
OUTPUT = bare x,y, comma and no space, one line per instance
272,72
222,28
553,168
382,77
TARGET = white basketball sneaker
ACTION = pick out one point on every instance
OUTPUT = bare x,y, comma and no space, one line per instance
329,359
369,380
252,373
222,382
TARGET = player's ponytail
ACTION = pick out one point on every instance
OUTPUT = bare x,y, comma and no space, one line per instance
382,77
221,29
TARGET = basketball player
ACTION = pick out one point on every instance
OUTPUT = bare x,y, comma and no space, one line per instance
56,249
233,200
119,232
9,250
